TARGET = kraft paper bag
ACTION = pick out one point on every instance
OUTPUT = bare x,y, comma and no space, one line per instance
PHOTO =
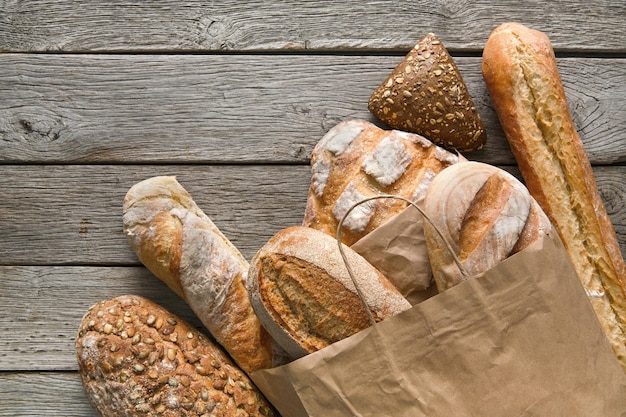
398,250
520,340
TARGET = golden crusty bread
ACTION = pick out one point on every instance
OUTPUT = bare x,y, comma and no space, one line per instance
304,296
180,244
425,94
355,160
484,213
136,358
523,80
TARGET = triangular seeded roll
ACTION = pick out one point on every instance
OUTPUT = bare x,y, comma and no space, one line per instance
425,94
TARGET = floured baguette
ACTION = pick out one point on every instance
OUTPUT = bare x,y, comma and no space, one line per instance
304,296
355,160
484,213
137,358
180,244
522,77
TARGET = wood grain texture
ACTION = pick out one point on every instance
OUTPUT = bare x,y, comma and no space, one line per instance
278,25
73,214
43,394
40,335
231,97
204,109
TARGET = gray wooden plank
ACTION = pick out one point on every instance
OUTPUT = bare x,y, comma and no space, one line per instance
205,108
73,214
48,394
51,215
42,308
303,26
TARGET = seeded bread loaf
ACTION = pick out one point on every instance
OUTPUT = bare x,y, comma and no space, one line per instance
355,160
301,291
426,94
523,81
486,215
180,244
136,358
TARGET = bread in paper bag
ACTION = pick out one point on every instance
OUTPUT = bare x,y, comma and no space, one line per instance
356,160
484,213
302,293
520,339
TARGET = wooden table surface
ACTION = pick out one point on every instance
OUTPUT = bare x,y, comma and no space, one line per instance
230,97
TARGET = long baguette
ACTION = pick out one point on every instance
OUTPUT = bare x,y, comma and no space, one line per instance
180,244
519,68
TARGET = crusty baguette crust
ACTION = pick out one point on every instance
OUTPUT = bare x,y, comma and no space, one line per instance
485,214
137,358
180,244
522,78
355,160
304,296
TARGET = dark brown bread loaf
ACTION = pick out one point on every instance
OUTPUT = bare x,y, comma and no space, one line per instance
136,358
425,94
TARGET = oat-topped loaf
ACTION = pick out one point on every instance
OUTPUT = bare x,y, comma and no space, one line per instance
136,358
355,160
426,94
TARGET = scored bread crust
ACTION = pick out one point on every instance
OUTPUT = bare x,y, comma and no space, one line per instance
180,244
484,213
304,296
355,160
522,78
137,358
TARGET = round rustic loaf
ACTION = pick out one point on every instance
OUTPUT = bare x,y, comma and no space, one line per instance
301,290
355,160
485,214
136,358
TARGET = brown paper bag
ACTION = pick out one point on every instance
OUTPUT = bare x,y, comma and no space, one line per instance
520,340
398,250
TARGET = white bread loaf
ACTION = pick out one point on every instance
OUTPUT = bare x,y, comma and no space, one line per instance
484,213
304,296
355,160
179,244
137,358
523,80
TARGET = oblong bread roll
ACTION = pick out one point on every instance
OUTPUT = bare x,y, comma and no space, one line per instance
300,289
